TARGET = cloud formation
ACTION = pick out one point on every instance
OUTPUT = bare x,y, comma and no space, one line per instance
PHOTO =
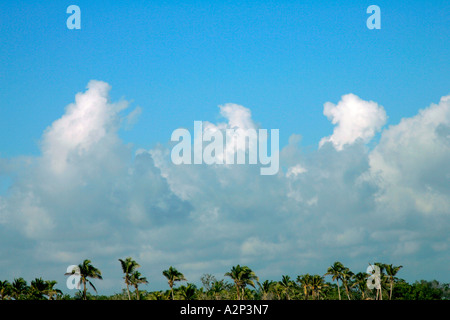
354,119
411,163
89,196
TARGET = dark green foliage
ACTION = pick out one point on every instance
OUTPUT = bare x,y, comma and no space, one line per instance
243,285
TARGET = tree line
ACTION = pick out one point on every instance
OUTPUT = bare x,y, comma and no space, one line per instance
243,284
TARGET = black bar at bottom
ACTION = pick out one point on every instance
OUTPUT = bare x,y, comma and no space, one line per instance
225,309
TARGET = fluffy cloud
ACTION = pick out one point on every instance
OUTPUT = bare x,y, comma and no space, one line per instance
89,196
84,197
354,119
411,162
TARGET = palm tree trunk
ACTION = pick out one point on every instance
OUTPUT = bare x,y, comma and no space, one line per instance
346,290
128,289
137,292
339,290
237,292
390,293
84,289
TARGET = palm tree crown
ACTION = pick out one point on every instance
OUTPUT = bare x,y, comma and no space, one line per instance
172,276
87,270
242,276
128,267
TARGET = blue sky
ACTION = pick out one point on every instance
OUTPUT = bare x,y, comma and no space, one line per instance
178,61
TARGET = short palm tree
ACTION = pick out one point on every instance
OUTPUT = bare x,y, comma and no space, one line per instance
242,276
136,279
265,288
157,295
5,290
172,276
50,291
188,292
19,288
360,282
286,286
128,267
317,285
87,270
217,288
38,289
305,282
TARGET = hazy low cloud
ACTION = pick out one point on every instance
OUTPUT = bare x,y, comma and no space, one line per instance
89,196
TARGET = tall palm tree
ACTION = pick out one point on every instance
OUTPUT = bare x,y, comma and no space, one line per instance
128,267
336,272
382,275
172,276
305,282
242,276
391,272
346,276
87,270
136,279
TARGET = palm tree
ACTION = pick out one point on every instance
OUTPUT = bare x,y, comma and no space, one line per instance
317,284
188,292
173,275
50,291
346,276
128,267
336,272
136,279
265,288
242,276
38,289
5,290
217,288
382,276
391,272
19,288
286,286
157,295
305,282
87,270
360,281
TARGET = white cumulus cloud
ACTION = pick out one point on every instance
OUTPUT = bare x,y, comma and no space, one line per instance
354,119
